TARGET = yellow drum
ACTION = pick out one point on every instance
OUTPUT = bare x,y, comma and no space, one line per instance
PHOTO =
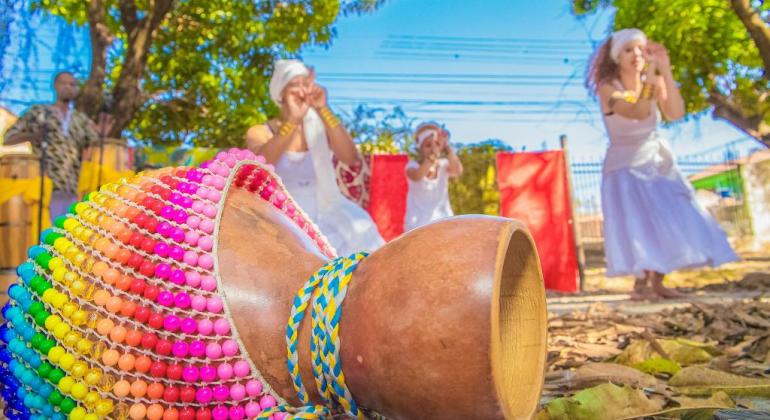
16,214
117,162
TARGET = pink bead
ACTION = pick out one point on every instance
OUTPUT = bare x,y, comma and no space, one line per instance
219,412
190,258
208,373
162,270
182,300
171,323
178,277
241,369
252,410
176,252
192,278
161,249
260,159
203,395
279,416
225,371
279,197
190,374
205,327
165,298
191,237
219,182
237,392
197,348
230,161
221,392
214,304
193,221
254,388
221,326
207,226
221,155
266,402
215,196
229,348
237,413
206,243
206,179
189,326
210,210
223,171
206,262
213,351
198,206
208,283
198,303
179,349
203,193
290,210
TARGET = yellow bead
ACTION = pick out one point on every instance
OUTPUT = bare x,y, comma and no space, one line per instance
54,321
79,390
55,263
71,340
66,383
91,416
70,277
79,369
91,399
70,252
59,300
60,244
78,413
48,295
79,260
79,317
55,354
85,234
61,330
78,286
94,376
104,407
68,308
69,224
81,207
84,346
77,231
66,361
58,274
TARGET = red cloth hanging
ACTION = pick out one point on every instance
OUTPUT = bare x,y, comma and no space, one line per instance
387,194
533,189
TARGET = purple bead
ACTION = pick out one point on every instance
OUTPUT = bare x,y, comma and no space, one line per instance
167,212
189,326
208,373
192,174
219,412
176,198
165,298
161,249
221,393
176,252
237,413
178,276
162,270
197,348
187,202
182,300
190,374
180,217
171,323
177,235
205,164
179,349
203,395
164,228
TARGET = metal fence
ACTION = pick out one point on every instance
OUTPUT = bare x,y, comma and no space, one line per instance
715,174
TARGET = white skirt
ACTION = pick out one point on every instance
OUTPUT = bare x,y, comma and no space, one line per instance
653,222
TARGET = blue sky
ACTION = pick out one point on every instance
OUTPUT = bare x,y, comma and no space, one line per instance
507,69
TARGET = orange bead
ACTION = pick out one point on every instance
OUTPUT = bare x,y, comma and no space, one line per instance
99,268
139,197
111,276
171,414
101,297
101,244
125,235
110,357
132,212
137,411
143,364
107,222
123,256
124,283
104,326
121,209
128,308
111,251
114,304
121,388
126,362
155,390
155,412
139,388
133,338
118,334
126,191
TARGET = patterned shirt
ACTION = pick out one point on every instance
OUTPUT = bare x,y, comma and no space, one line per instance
64,151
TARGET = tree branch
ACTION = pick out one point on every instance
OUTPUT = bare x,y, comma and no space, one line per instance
128,15
90,98
758,29
752,125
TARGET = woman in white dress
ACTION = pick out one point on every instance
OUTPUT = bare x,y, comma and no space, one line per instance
652,222
428,177
300,145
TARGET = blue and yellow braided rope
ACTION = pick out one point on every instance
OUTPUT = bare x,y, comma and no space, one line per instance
327,288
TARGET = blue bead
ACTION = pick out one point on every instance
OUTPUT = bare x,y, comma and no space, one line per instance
21,392
34,251
25,304
45,390
45,233
34,360
48,411
26,268
29,400
8,335
7,395
58,416
13,365
28,377
28,333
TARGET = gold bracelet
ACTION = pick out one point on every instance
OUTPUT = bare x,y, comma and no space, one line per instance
647,91
287,128
329,118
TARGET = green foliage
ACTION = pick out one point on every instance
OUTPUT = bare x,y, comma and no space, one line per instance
475,192
208,70
378,130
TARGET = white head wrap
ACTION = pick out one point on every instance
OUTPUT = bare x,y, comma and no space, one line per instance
623,37
283,73
426,130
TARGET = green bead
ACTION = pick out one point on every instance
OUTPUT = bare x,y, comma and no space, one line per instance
59,221
55,398
52,237
87,197
44,369
47,345
41,317
43,259
55,376
72,208
35,308
44,285
67,405
37,340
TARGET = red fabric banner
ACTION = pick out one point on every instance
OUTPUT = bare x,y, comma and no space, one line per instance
533,189
387,194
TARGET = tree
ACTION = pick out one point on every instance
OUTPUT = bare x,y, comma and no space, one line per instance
719,49
193,70
378,130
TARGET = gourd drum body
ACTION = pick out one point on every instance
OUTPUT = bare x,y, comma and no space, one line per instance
167,295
